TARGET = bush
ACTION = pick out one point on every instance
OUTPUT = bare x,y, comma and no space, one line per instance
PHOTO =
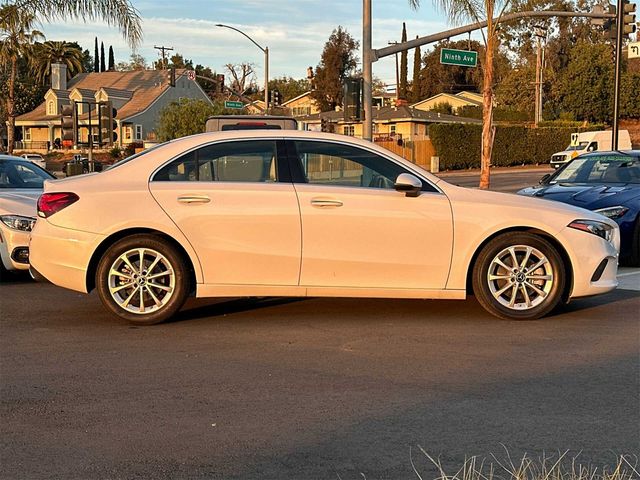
130,149
458,145
115,153
499,114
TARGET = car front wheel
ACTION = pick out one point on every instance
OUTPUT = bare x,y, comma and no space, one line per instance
143,279
519,276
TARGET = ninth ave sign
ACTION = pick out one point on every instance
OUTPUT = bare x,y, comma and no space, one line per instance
461,58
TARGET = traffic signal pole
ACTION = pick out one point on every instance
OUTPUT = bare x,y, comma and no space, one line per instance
616,87
367,71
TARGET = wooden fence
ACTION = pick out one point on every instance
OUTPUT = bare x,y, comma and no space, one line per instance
416,151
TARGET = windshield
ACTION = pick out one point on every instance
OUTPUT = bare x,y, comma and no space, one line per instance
22,174
600,169
576,148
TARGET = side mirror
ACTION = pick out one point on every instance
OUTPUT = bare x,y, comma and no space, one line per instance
544,178
409,184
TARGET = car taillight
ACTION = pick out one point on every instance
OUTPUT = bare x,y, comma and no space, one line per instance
50,203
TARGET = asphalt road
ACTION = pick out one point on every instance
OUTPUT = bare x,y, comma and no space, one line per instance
317,388
502,180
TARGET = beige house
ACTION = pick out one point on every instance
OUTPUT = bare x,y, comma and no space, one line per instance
301,106
462,99
389,123
138,96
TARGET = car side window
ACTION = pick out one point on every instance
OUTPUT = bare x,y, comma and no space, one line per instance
242,161
326,163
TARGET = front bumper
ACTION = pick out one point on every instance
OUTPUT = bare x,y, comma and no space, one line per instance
13,244
588,253
62,255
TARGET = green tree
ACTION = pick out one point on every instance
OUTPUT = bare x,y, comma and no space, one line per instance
629,102
491,11
289,88
47,53
118,13
402,87
175,61
516,91
338,61
185,117
585,87
136,62
416,93
103,65
112,62
96,57
16,41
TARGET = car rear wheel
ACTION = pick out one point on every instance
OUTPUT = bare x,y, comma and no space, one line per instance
519,276
143,279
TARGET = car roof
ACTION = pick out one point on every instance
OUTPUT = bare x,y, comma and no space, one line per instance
598,153
11,157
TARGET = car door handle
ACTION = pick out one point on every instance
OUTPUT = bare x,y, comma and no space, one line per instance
325,203
189,199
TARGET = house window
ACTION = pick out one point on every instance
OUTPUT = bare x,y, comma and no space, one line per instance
127,133
51,108
138,132
392,130
27,134
349,130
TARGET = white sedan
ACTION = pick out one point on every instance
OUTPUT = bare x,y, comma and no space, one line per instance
35,158
289,213
20,186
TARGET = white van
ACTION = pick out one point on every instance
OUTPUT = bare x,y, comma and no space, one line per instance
585,142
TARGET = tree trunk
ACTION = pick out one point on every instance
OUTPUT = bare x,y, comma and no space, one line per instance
487,113
11,107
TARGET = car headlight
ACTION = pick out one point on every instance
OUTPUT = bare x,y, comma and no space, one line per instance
18,222
600,229
612,212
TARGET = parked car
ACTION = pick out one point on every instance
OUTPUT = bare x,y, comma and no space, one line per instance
292,213
586,142
35,158
20,186
604,182
68,168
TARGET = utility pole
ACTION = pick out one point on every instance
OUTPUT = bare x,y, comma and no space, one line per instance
367,71
540,33
163,49
616,84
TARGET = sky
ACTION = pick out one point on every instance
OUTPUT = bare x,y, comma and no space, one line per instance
295,31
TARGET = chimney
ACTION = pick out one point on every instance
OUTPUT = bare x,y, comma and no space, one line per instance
58,76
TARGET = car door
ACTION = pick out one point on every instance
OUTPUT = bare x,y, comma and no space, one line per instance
358,231
235,204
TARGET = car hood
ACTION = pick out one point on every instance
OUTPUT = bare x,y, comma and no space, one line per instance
585,196
19,202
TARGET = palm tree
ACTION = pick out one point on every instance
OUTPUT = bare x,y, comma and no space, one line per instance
50,52
16,41
492,11
119,13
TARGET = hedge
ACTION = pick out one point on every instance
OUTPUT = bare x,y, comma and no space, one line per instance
499,114
458,145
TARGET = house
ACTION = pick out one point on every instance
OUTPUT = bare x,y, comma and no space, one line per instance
394,122
138,96
457,101
302,105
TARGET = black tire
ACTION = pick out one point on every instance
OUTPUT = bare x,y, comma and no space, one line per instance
523,284
170,289
634,258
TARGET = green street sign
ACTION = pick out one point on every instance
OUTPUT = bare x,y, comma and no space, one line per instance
461,58
229,104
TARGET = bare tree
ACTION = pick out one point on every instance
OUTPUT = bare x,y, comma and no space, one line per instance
242,75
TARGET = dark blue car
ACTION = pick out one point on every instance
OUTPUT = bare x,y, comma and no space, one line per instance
604,182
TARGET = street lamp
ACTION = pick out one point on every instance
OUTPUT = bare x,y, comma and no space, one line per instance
265,50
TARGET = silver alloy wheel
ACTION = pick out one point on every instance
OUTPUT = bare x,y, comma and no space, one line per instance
520,277
141,280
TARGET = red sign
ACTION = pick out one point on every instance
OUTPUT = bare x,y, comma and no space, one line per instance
191,75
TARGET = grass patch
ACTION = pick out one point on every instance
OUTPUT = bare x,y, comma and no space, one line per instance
555,467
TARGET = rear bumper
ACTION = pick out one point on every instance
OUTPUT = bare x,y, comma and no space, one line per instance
62,255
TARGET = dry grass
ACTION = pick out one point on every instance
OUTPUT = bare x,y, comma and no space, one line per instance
554,467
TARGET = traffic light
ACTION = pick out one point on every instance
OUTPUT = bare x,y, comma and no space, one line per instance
108,125
324,125
69,125
275,97
629,17
220,83
352,102
609,24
